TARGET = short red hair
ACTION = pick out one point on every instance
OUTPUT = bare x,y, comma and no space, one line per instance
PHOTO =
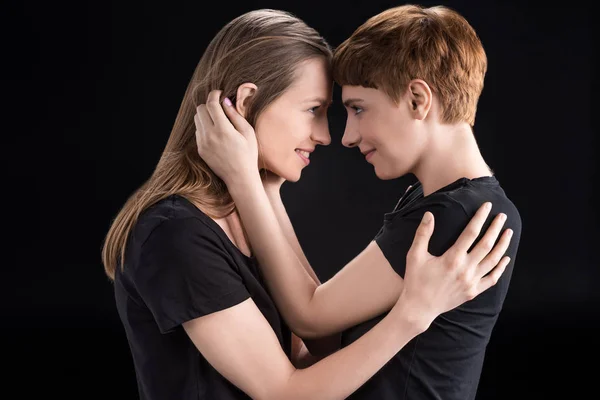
435,44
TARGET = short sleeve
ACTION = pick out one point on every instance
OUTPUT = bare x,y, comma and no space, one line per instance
396,236
185,272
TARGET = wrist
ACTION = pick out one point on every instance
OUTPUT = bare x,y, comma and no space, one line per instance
243,182
413,315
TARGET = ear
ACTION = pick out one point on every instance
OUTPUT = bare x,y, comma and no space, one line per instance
244,94
420,98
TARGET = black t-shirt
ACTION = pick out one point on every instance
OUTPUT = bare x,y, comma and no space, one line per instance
445,361
181,265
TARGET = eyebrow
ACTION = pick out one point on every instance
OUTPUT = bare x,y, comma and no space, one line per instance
348,102
320,100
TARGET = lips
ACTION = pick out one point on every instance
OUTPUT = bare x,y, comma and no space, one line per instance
304,155
368,154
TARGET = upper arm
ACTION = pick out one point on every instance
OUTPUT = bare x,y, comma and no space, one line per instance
185,272
367,286
240,344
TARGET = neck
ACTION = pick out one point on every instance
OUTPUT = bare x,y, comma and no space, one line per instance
452,153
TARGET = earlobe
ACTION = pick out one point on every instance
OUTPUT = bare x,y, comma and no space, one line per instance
243,97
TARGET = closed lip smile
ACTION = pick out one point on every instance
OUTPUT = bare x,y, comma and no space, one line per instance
368,153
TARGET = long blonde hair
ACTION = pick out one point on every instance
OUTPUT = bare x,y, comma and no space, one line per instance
263,47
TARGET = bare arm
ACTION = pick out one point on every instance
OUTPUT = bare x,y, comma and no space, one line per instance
364,288
239,343
287,228
321,346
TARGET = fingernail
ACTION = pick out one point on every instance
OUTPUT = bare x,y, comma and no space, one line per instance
488,205
510,232
227,101
502,217
427,218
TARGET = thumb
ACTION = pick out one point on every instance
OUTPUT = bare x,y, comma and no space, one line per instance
423,234
239,122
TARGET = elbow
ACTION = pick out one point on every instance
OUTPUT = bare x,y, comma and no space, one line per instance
311,330
304,331
290,388
310,321
307,326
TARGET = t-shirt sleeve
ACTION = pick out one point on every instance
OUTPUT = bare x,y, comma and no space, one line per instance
397,234
185,272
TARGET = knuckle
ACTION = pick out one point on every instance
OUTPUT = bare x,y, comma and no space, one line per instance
487,244
495,259
461,278
411,255
455,262
471,293
472,232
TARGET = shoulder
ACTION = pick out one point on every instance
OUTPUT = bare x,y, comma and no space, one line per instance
173,222
454,205
443,204
472,193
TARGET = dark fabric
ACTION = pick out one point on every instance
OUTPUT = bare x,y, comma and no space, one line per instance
445,361
180,265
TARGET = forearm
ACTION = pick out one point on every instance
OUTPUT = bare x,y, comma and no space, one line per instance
288,230
290,284
321,346
340,374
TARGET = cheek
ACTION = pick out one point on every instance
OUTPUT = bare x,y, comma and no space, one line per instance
269,135
277,142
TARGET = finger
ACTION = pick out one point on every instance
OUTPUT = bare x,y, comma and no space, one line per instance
239,122
203,116
198,123
493,277
203,123
216,111
420,244
493,258
485,245
473,228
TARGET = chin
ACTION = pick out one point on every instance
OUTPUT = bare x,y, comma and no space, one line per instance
386,175
383,175
292,177
289,175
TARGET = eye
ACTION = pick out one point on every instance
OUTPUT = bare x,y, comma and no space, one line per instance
313,109
357,110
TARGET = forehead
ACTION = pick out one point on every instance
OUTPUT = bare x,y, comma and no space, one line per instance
360,92
312,79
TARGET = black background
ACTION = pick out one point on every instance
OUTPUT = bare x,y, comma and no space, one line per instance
91,90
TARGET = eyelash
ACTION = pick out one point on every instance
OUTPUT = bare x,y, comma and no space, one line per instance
313,109
357,110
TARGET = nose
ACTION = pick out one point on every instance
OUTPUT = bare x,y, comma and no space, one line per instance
321,134
351,136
